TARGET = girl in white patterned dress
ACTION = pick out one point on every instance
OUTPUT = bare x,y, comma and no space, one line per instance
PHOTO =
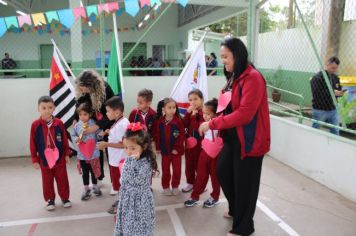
135,211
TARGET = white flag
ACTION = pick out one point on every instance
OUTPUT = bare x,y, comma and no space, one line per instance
193,76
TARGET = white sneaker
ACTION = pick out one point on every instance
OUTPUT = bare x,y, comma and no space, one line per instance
113,192
175,191
66,203
50,205
187,188
167,192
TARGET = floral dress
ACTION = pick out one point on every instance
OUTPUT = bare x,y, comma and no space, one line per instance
135,211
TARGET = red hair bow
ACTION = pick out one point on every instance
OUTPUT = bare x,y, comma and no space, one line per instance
135,126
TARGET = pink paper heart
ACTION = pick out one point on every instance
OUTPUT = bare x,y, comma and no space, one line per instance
190,142
52,156
87,148
99,116
212,148
223,101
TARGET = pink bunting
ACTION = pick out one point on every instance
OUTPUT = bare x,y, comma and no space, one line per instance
79,12
166,1
26,19
103,7
114,6
144,3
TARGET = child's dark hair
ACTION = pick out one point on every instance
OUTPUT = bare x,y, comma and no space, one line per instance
115,103
142,138
197,92
161,104
45,99
212,104
85,107
146,94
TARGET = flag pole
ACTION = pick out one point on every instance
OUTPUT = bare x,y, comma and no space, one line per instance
118,56
62,58
189,61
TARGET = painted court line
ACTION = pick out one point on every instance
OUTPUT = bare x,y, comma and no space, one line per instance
32,229
171,211
177,224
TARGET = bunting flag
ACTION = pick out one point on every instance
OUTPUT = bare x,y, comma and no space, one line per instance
38,19
113,6
104,7
92,10
192,77
183,2
114,74
153,2
3,28
26,19
144,3
66,17
11,21
132,7
62,92
168,1
52,15
79,12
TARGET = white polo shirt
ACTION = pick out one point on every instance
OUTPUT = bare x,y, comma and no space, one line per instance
116,134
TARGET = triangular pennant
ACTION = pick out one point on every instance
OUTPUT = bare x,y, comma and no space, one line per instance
52,15
26,19
183,2
144,3
113,6
11,21
79,12
38,19
153,2
66,17
120,11
92,10
3,28
132,7
103,8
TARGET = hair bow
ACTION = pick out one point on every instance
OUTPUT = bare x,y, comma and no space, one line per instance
135,126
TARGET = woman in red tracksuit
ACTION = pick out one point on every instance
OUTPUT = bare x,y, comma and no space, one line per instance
245,125
169,139
192,119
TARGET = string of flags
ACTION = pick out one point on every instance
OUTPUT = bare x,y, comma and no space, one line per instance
67,17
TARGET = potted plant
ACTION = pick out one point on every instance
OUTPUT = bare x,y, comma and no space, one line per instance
276,80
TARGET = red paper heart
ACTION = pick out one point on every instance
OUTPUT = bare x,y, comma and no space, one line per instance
99,116
223,101
190,142
87,148
212,148
52,155
121,165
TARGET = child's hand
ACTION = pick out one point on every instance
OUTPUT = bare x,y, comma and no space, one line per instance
36,165
102,145
190,109
174,152
67,160
79,140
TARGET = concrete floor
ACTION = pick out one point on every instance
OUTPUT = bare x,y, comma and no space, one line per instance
289,204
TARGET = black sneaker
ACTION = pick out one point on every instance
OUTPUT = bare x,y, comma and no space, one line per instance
190,203
86,195
66,203
50,205
210,203
97,191
113,208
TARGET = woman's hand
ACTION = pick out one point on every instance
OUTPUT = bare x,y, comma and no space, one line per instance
102,145
203,128
174,152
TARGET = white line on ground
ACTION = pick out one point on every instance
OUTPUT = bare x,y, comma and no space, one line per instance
177,224
276,219
171,211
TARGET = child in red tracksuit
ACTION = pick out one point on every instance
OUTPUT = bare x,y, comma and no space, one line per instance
50,153
144,113
192,119
206,164
169,139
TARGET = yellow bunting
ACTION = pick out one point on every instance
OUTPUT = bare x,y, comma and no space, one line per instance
38,19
